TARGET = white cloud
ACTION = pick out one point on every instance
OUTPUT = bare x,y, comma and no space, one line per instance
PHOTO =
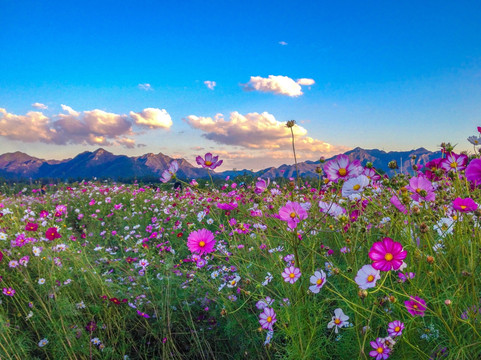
260,132
306,82
94,127
152,118
281,85
39,106
283,43
146,87
210,84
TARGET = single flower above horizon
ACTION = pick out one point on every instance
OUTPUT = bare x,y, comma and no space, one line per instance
209,161
387,255
342,168
170,173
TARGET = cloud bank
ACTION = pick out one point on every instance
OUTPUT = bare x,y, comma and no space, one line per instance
261,134
94,127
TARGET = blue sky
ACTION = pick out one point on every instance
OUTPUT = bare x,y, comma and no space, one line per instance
394,76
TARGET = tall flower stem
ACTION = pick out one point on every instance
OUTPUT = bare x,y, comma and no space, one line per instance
290,124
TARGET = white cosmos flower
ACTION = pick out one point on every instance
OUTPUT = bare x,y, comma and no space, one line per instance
353,187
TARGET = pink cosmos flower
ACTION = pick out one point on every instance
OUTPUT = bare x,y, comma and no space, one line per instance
454,162
144,315
261,185
371,174
267,318
201,241
395,328
293,213
366,277
431,167
342,168
52,234
31,226
415,306
317,280
473,172
398,204
8,291
464,205
170,172
227,206
381,351
291,274
209,161
387,255
421,188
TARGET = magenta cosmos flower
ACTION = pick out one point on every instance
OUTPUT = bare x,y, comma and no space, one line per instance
342,168
293,213
209,161
291,274
473,171
454,162
415,306
170,172
387,255
464,205
267,318
201,241
381,351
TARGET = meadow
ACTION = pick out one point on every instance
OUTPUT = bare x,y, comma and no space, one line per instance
353,265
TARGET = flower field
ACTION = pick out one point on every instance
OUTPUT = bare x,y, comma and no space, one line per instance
353,265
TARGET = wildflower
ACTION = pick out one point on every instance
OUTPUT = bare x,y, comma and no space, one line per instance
201,241
41,281
267,318
367,276
318,280
291,274
144,315
96,341
8,291
261,304
261,185
454,162
42,342
475,140
170,172
52,234
353,187
31,227
395,328
381,351
421,188
339,320
387,255
415,306
91,326
473,172
464,205
269,336
80,305
293,213
342,168
209,161
234,281
398,204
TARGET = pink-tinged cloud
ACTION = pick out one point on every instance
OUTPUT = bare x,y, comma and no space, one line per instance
39,106
283,43
210,84
305,82
261,133
94,127
152,118
280,85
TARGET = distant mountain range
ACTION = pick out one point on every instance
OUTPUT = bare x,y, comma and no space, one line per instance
103,164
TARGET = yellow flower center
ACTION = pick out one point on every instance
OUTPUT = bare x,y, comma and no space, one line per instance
342,171
370,278
356,187
463,207
397,328
208,163
415,306
319,281
292,215
232,282
202,243
418,190
380,350
388,257
269,319
453,165
291,275
337,321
